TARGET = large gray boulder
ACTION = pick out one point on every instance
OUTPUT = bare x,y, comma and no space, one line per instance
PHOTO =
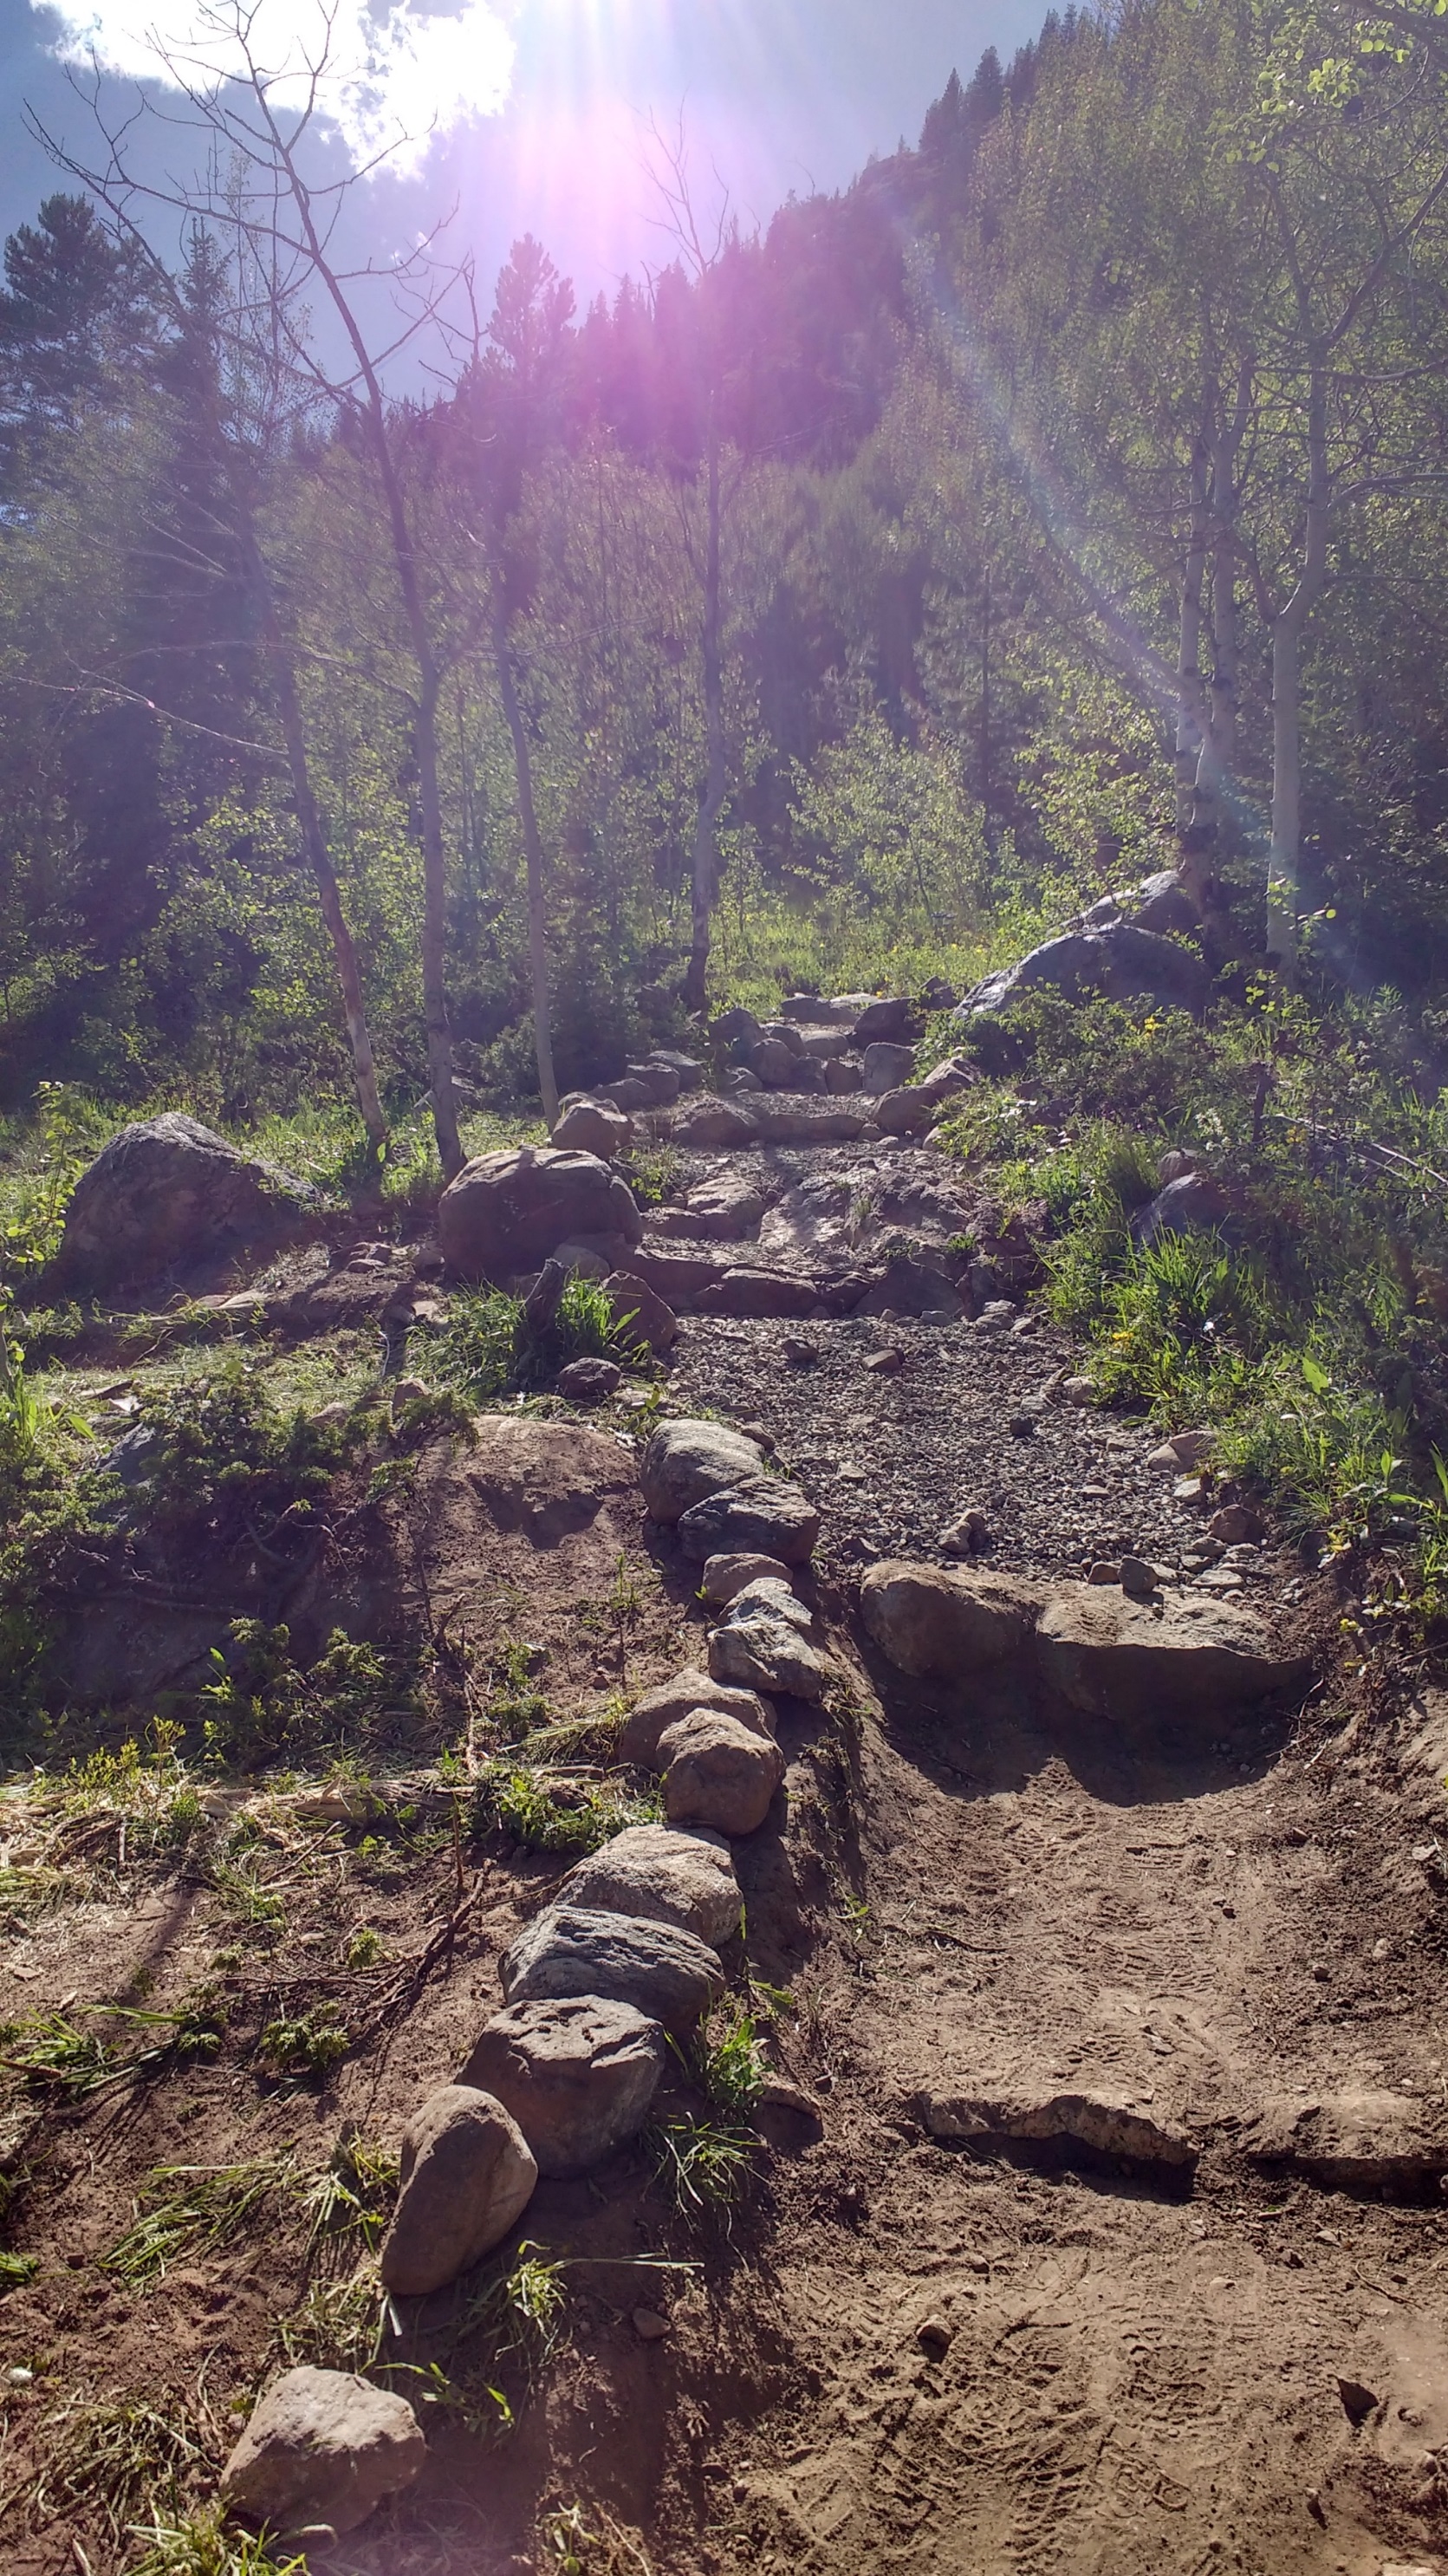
589,1126
1118,960
668,1975
709,1124
577,2074
886,1065
166,1192
661,1876
946,1627
467,2177
1189,1659
322,2446
505,1212
657,1708
686,1460
717,1773
761,1514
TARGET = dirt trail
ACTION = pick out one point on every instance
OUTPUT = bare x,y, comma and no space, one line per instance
1140,2376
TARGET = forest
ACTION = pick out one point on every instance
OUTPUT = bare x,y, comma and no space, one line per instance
850,601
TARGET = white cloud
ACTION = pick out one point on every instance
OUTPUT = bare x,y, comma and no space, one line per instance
403,75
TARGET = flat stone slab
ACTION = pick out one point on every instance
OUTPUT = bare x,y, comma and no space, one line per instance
1189,1657
1357,2140
668,1975
1100,2122
940,1626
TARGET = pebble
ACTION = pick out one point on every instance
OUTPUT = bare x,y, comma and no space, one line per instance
1138,1578
934,2337
1079,1390
799,1353
1022,1426
886,1363
966,1536
648,2325
1106,1569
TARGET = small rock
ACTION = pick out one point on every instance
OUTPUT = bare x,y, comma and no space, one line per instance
1192,1447
640,1312
996,1316
841,1074
739,1078
724,1576
1193,1204
1234,1524
322,2446
886,1065
1096,2121
1138,1577
589,1381
934,2337
966,1536
1173,1166
1189,1489
668,1975
1022,1426
719,1774
577,2074
467,2176
1106,1569
799,1353
649,2326
1358,2402
886,1363
1079,1390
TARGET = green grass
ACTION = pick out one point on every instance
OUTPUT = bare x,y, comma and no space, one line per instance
187,2211
577,1817
204,2543
705,2166
487,1348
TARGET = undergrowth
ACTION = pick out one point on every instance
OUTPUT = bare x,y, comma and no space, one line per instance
1308,1324
487,1348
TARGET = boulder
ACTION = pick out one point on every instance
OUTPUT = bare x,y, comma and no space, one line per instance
735,1028
945,1626
774,1063
912,1284
577,2073
773,1293
710,1124
467,2177
685,1461
1119,960
1192,1660
640,1312
840,1073
506,1212
885,1066
589,1381
724,1576
659,1080
661,1877
628,1094
167,1191
588,1126
760,1644
906,1113
1161,902
322,2446
676,1275
1192,1204
726,1210
668,1975
718,1773
888,1021
773,1593
761,1513
687,1067
737,1077
667,1701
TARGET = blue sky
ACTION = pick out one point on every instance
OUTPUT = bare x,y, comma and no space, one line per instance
778,95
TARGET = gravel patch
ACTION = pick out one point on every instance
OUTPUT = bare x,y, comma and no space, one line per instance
893,1460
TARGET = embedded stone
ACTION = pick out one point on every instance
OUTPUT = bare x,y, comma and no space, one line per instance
467,2177
759,1512
661,1876
322,2446
660,1707
577,2073
667,1974
718,1773
686,1461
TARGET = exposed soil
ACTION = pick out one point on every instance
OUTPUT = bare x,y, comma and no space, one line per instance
1129,2370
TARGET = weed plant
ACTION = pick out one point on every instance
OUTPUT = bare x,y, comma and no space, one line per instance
487,1347
204,2543
577,1817
186,2211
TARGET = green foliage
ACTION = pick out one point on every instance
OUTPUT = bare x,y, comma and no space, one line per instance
487,1348
185,2211
261,1705
704,2165
204,2543
307,2043
16,2270
650,1171
725,2061
572,1816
